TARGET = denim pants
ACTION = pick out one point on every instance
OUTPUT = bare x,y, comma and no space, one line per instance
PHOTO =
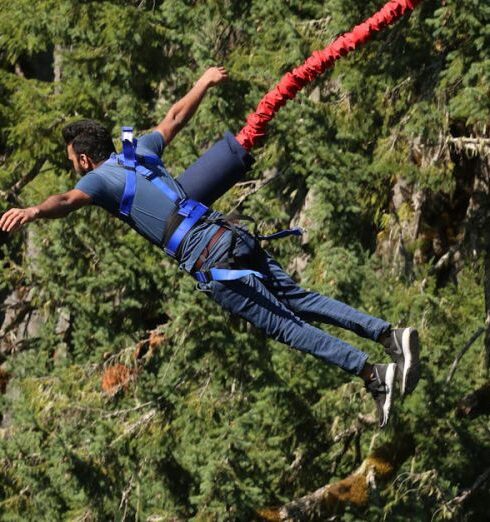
283,310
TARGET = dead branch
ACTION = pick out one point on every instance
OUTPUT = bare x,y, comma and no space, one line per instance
269,175
117,378
468,492
137,426
125,498
13,193
454,253
354,490
103,413
471,146
454,504
351,435
316,21
465,348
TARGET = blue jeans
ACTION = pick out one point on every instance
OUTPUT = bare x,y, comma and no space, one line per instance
283,310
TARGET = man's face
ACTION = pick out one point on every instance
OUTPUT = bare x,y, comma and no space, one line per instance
81,163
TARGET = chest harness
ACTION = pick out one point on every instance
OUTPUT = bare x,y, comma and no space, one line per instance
187,211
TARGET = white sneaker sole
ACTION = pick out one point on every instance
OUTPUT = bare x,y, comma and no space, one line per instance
389,382
410,348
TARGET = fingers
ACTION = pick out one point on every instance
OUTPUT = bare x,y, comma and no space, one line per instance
217,74
8,219
5,219
13,219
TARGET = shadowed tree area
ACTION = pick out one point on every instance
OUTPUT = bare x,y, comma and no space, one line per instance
127,395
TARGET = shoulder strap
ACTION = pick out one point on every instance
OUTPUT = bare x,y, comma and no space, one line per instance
188,210
129,162
137,164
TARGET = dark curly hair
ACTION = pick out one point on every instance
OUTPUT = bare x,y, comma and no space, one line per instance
89,137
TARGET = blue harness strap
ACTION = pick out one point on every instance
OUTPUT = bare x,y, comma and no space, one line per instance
297,231
190,210
129,162
224,274
159,184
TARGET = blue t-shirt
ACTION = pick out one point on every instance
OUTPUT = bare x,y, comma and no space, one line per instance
151,209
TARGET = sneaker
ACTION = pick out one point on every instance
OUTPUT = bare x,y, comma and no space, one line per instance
403,347
381,387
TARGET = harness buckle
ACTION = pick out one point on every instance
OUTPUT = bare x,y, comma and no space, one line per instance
147,160
149,174
127,134
186,206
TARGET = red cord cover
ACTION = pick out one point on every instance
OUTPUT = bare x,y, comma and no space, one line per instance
316,64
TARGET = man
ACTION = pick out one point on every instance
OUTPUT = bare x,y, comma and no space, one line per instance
247,281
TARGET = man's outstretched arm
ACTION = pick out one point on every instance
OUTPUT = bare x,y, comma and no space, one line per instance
180,113
57,206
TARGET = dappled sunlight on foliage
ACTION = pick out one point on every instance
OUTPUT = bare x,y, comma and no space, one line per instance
125,393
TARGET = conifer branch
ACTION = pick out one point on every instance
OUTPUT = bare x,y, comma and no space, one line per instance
14,191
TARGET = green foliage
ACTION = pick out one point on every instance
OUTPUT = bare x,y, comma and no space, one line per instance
220,421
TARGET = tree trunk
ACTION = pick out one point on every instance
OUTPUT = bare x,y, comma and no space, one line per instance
487,310
354,490
478,234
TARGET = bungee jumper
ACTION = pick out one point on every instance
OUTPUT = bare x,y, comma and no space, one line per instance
227,260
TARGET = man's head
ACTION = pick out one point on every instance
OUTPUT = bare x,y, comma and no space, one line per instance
88,143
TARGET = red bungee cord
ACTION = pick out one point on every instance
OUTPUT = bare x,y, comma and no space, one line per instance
316,64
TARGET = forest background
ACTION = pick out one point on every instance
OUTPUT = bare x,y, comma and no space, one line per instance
126,394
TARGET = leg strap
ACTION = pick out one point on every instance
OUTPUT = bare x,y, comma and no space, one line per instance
224,274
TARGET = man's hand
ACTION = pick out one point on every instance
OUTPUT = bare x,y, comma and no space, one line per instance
56,206
14,218
181,111
214,76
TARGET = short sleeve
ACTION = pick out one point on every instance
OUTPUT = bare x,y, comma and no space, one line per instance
152,143
92,184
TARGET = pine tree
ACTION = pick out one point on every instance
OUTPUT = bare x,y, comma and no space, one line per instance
211,421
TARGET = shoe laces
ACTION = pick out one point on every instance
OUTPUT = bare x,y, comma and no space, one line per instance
376,387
